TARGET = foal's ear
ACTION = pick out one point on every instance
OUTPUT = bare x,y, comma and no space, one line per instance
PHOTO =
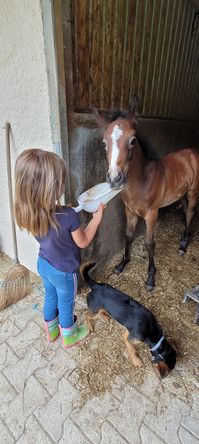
103,118
134,106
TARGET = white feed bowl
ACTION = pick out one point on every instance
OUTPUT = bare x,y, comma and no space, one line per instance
92,198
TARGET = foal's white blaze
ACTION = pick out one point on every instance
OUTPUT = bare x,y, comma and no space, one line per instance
115,136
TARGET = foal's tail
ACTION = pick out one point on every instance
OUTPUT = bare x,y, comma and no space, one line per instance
84,270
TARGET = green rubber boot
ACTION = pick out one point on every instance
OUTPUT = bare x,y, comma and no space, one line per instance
73,335
52,329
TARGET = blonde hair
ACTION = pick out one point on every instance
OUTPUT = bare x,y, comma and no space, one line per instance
40,178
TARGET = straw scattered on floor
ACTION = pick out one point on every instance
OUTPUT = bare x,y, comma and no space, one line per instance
103,359
104,356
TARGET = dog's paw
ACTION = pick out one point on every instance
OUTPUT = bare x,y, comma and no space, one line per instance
106,317
137,362
90,326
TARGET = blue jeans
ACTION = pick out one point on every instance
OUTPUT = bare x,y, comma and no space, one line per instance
60,292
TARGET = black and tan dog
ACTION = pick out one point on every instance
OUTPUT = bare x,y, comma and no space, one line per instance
140,324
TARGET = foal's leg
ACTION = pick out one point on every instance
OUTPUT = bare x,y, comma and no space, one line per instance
189,211
150,219
131,223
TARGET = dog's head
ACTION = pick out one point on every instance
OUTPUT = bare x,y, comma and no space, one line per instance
164,359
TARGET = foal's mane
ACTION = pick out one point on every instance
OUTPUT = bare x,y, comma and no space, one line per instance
116,114
147,148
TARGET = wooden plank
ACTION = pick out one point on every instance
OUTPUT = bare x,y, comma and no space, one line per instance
159,32
173,56
110,15
167,55
96,52
128,57
148,53
67,52
178,46
191,65
120,34
140,14
81,53
183,60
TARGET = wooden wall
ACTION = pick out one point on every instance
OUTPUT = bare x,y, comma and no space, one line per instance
147,47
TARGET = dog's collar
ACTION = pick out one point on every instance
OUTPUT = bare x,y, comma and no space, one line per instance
160,356
156,346
157,358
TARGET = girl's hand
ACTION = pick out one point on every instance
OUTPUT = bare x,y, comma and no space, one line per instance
83,237
97,216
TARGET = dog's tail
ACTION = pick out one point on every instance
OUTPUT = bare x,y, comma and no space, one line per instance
84,270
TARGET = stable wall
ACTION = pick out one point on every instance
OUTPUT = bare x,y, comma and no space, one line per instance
24,93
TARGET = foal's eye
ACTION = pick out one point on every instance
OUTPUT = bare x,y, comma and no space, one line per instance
132,141
104,144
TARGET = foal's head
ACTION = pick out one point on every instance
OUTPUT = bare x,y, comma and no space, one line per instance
119,140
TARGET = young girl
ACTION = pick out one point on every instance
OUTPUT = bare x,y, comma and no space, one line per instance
40,183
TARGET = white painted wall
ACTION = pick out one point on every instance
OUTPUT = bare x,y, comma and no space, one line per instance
24,102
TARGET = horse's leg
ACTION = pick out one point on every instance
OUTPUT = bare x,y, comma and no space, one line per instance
131,223
189,210
150,219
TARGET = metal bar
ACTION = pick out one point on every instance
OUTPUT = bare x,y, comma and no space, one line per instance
196,77
196,95
155,61
114,52
160,64
176,64
180,88
167,60
90,12
180,64
142,47
133,55
103,52
168,92
187,72
149,55
190,72
124,55
193,96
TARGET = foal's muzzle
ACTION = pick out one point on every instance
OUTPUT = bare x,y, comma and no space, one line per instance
116,181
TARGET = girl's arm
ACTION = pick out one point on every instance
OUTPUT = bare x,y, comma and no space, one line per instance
83,237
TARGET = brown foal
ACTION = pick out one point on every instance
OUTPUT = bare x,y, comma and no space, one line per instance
149,184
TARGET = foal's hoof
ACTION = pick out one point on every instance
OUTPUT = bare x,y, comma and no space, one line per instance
183,247
150,287
150,283
120,267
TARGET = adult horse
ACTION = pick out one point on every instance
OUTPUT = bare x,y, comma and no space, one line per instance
149,184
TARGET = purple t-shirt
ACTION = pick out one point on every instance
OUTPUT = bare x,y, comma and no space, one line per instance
58,247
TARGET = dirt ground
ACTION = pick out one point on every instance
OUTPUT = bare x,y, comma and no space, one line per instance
103,356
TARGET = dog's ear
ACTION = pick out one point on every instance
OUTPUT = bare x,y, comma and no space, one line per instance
162,369
174,347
